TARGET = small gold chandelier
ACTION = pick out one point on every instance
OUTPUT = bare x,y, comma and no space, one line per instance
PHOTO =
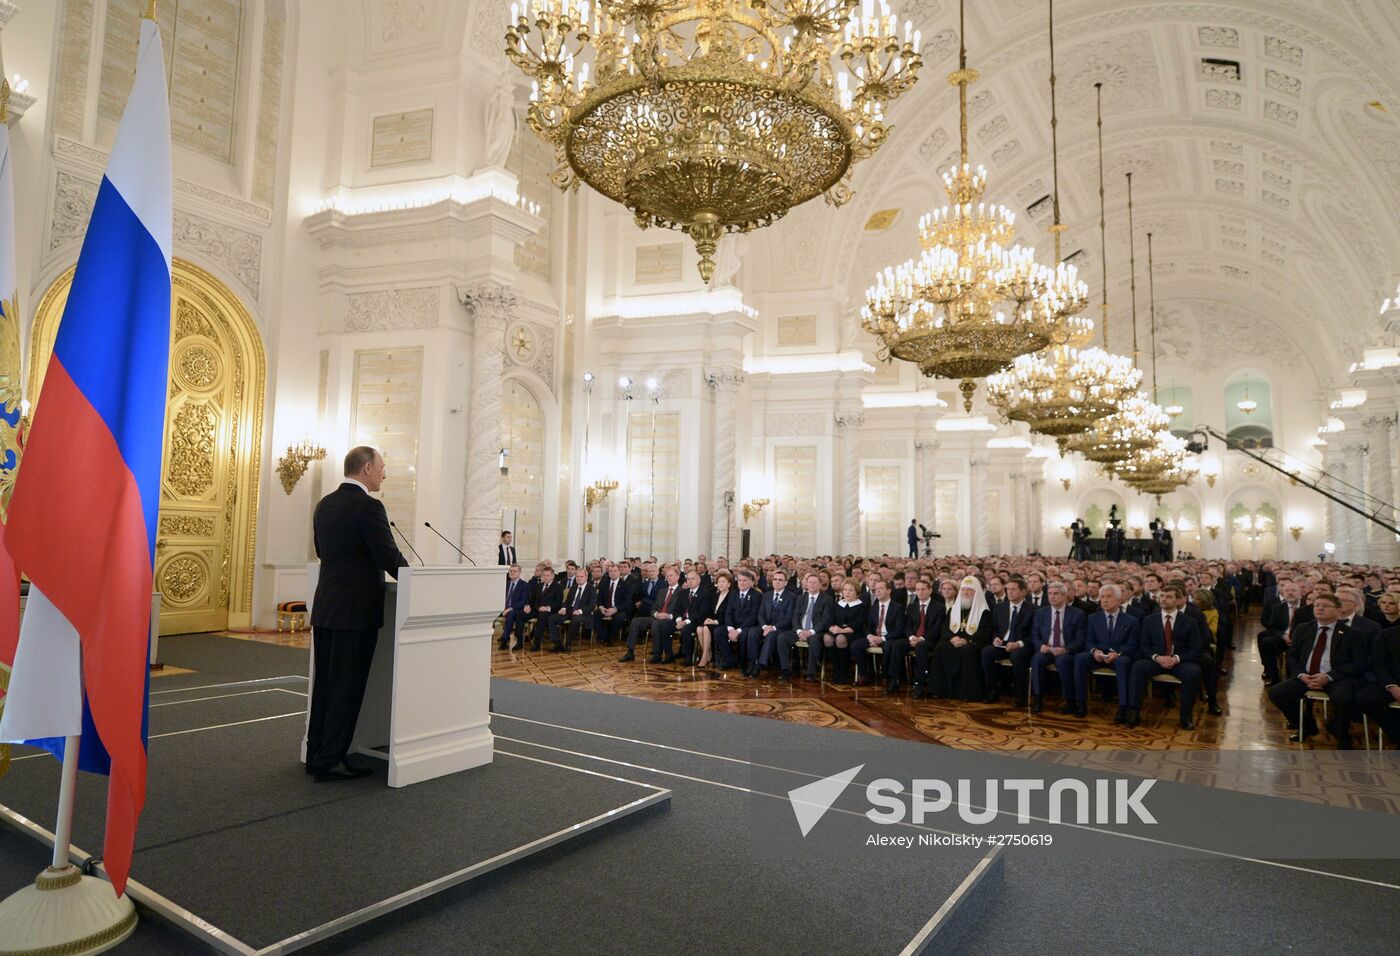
711,116
973,300
1065,389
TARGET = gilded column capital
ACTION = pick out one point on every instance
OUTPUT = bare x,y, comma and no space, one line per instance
490,299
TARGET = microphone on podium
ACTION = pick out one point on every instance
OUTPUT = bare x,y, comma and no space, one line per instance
409,543
449,542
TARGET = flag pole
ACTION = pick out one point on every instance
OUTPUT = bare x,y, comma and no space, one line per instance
67,789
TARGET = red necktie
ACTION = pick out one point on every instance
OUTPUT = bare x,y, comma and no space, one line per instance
1320,645
923,617
667,600
1055,631
1167,632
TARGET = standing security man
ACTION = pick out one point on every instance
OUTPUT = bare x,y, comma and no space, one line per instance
356,548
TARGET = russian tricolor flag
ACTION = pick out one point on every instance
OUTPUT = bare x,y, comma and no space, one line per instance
82,521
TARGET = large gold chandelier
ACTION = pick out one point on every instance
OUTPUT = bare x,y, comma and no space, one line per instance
973,300
711,116
1065,389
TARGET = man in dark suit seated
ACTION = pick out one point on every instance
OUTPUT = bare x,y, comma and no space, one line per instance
1169,642
505,552
886,628
699,602
1013,618
740,617
1353,601
1110,641
356,548
670,609
813,614
513,615
923,627
614,597
1327,656
1280,619
546,595
644,595
1382,688
774,619
1057,634
576,607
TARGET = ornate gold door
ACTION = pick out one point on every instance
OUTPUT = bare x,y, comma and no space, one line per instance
209,487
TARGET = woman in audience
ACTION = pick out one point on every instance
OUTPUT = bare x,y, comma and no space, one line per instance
723,582
1389,605
848,623
1205,603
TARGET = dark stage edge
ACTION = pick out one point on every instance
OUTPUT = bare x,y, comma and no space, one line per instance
241,847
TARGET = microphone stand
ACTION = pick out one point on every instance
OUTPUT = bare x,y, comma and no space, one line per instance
409,543
449,543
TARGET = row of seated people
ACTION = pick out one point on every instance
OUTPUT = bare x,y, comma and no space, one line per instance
953,645
1324,640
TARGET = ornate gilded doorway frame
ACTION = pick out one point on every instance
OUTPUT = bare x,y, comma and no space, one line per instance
213,448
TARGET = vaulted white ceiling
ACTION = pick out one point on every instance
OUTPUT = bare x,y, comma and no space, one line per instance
1268,181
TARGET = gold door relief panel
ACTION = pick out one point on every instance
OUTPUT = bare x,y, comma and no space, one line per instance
209,487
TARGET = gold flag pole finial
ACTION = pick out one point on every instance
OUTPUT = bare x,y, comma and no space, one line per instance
150,13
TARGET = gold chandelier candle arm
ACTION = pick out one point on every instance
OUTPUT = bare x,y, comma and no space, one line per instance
1132,267
1152,309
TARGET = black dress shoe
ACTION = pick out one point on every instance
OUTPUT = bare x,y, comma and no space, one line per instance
1081,710
918,693
1188,724
535,647
669,659
785,675
1214,709
653,659
1067,708
1133,717
991,697
339,772
892,687
358,767
629,656
1037,704
1122,717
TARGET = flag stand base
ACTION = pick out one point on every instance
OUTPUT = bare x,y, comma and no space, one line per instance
65,912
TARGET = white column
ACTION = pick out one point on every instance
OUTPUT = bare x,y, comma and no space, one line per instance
1334,469
926,484
1353,454
1037,504
1380,460
725,383
1021,509
977,488
848,424
491,305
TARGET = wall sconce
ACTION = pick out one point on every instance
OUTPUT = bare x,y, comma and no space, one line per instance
1210,478
1066,529
292,465
597,493
1296,530
1137,531
1065,482
753,508
1214,530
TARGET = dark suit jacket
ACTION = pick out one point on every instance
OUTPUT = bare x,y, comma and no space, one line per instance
1020,627
1071,627
518,594
740,609
605,590
777,613
542,595
1187,639
933,627
1124,638
587,600
356,549
1143,605
644,594
822,614
895,624
677,606
698,608
502,557
1349,652
1385,657
1364,625
1276,617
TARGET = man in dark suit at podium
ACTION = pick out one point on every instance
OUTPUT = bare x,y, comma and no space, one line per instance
356,549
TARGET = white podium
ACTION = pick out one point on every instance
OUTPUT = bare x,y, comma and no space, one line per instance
426,707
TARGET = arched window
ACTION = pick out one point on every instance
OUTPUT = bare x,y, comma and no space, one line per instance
1249,416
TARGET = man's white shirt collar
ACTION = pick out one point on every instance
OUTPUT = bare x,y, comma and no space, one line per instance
355,481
